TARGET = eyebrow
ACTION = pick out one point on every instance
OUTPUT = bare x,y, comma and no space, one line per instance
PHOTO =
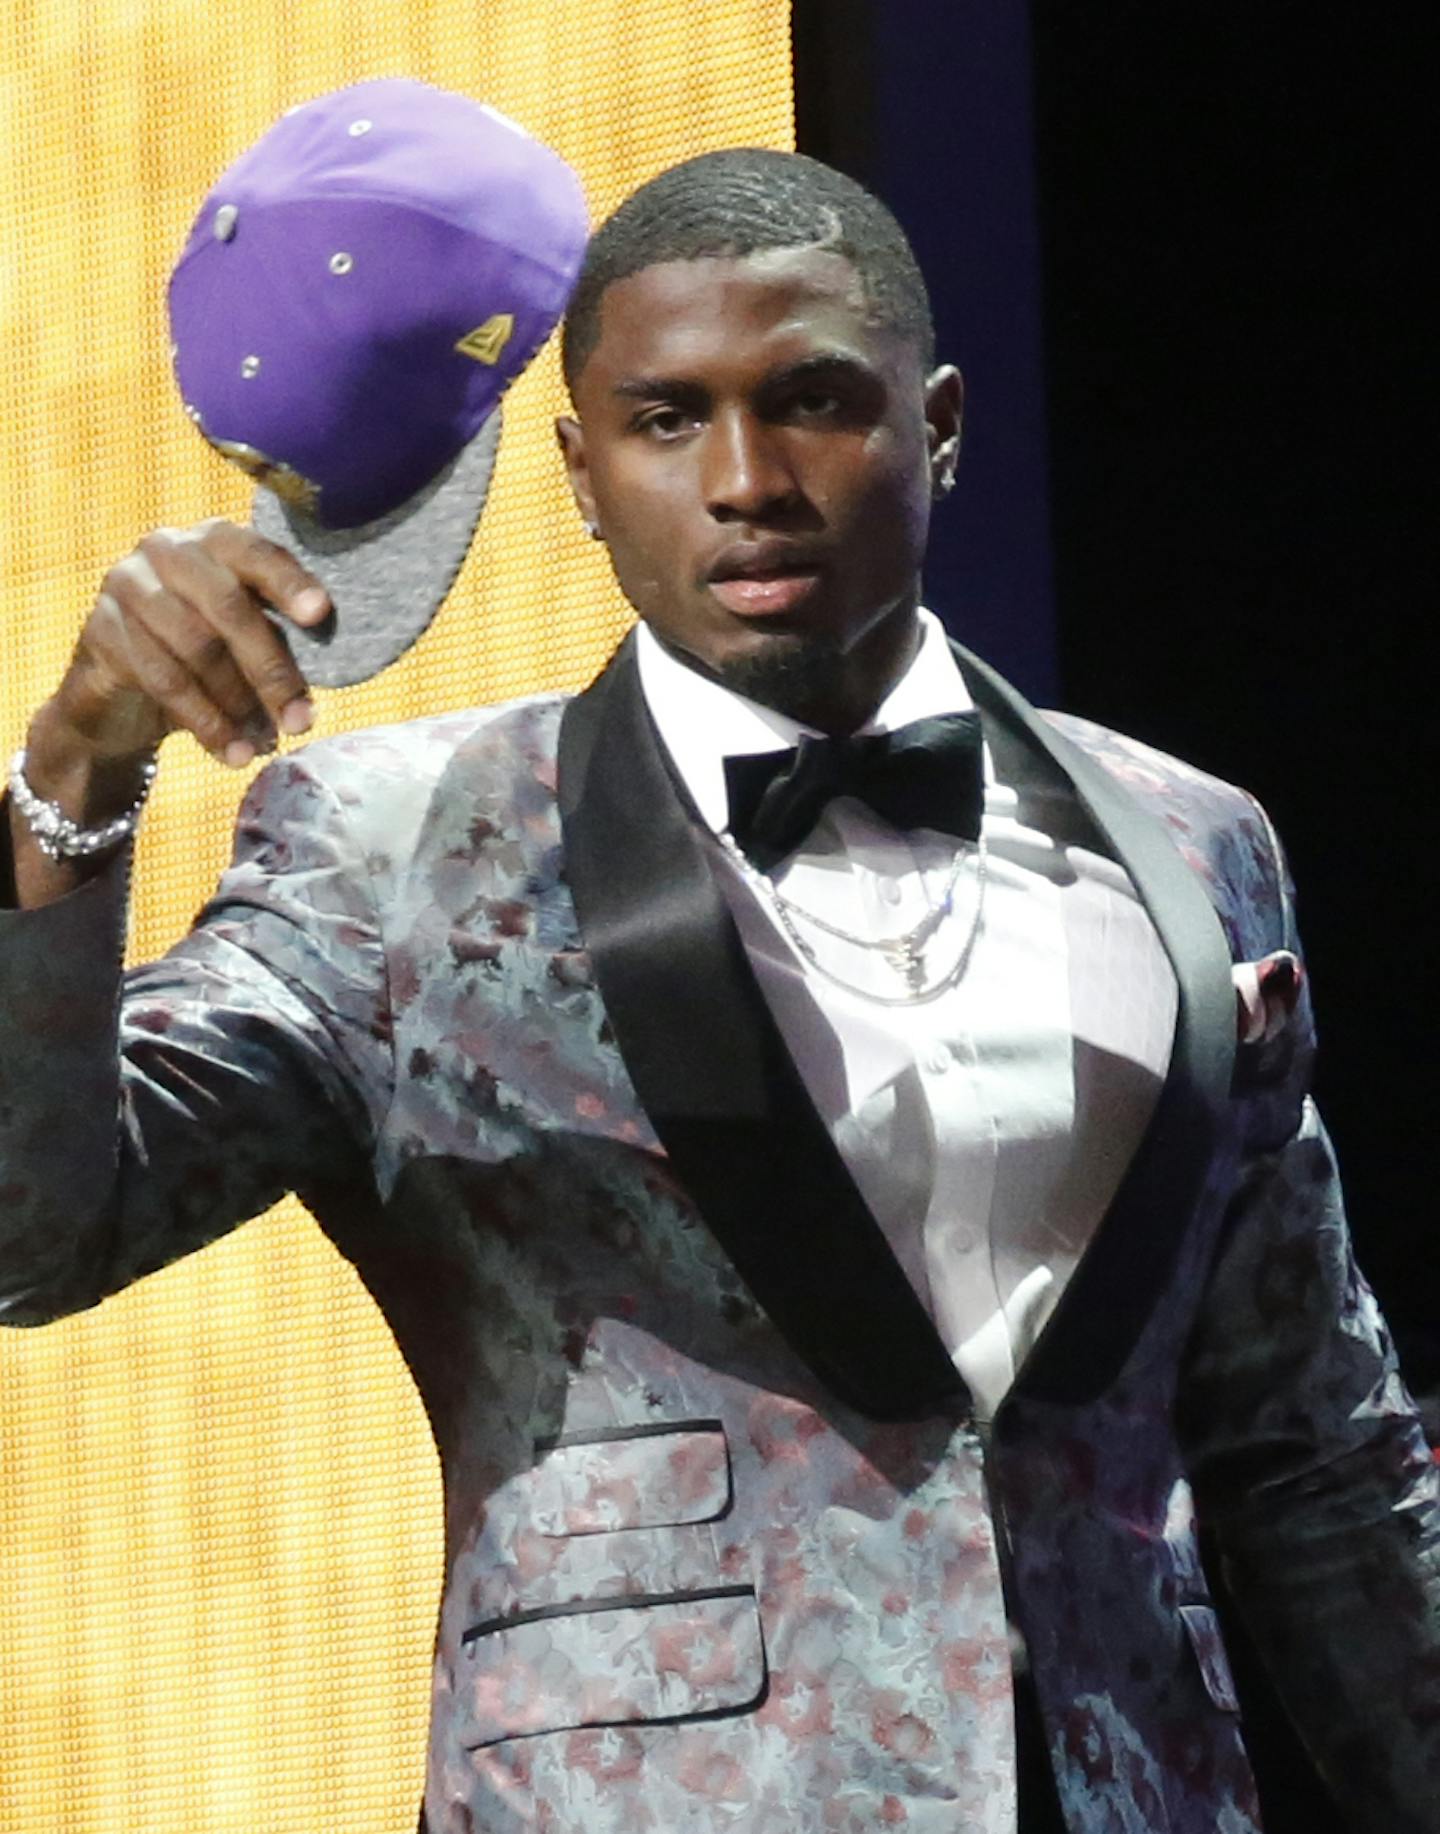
822,363
680,388
651,388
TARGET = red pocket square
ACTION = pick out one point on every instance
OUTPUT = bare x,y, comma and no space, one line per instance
1265,994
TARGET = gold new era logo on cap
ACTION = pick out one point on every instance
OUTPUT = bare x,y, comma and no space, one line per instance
486,342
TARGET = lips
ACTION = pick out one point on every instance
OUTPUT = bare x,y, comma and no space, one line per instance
763,579
764,597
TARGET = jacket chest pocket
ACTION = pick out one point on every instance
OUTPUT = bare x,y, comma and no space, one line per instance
652,1476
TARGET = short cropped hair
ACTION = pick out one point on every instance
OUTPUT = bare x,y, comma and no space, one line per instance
739,202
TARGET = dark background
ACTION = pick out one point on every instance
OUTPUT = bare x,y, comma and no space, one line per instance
1177,251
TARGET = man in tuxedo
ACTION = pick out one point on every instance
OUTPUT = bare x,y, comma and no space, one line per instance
831,1142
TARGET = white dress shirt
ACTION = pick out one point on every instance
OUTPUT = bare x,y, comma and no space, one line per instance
987,1124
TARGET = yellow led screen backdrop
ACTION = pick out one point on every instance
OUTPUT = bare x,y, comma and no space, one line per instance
219,1508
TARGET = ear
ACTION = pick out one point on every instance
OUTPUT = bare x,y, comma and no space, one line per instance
944,416
571,436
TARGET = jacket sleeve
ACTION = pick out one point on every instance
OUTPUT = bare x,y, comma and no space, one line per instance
1310,1470
143,1114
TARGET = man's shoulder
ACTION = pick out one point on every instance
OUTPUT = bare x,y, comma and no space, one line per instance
1220,830
388,784
1155,776
422,750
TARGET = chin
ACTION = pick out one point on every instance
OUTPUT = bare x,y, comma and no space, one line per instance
792,671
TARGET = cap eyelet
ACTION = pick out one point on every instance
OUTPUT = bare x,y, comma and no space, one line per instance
357,128
341,263
250,366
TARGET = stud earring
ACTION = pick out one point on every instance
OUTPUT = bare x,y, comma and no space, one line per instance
592,529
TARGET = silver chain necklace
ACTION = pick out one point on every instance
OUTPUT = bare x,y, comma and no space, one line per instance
904,953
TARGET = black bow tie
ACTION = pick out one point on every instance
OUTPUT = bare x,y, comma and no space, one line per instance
925,775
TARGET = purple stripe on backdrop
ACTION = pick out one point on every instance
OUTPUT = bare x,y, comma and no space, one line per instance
951,151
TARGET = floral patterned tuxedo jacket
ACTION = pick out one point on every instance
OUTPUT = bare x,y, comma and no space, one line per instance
725,1550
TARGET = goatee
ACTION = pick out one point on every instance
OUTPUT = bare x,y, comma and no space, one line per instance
795,673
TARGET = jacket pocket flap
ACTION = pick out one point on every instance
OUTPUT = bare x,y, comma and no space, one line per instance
615,1662
1203,1628
638,1477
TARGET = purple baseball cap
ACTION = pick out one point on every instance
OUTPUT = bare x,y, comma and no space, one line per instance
356,294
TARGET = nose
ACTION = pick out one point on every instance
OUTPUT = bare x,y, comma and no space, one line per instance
747,474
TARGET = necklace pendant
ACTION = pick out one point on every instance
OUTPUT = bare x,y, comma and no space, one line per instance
905,958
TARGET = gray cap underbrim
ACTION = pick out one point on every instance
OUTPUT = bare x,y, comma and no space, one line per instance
386,578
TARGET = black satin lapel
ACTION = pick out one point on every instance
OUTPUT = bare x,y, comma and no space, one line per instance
1130,1257
713,1075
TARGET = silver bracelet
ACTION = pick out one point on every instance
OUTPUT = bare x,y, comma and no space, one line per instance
59,838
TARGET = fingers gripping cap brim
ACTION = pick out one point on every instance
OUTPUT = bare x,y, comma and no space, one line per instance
387,578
